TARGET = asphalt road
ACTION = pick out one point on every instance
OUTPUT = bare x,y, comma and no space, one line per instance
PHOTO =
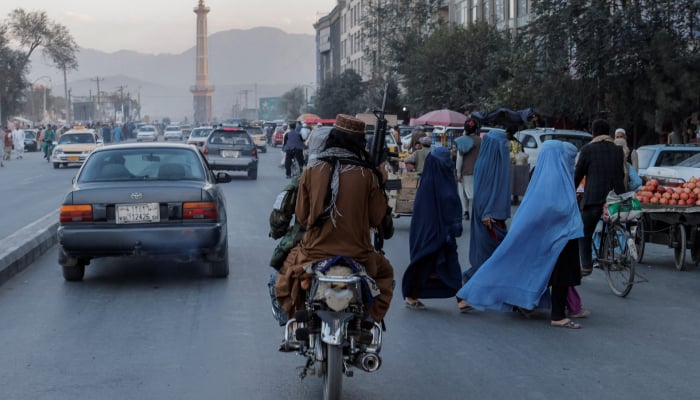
145,329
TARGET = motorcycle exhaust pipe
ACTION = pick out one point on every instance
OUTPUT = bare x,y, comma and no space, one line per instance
370,362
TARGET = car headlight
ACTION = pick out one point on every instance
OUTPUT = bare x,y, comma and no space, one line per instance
58,150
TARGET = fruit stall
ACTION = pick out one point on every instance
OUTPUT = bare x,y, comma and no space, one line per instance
671,216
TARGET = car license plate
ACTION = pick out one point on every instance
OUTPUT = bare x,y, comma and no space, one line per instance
231,153
137,213
73,158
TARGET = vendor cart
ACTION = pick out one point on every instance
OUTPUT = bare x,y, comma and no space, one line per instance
676,226
402,197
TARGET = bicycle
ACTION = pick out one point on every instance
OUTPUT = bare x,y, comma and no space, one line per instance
296,169
616,252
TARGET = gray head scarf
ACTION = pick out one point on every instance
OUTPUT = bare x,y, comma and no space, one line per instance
317,142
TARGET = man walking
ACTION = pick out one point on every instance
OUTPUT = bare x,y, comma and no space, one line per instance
293,147
601,163
465,165
18,141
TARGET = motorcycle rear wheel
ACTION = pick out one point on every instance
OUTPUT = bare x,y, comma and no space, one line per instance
333,378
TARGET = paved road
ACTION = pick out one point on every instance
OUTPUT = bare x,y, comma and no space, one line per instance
138,329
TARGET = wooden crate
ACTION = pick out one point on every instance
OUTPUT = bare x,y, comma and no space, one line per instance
404,201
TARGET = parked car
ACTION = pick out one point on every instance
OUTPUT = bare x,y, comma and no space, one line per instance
663,155
31,141
683,171
232,149
144,199
532,140
74,146
199,135
278,137
258,137
173,132
147,133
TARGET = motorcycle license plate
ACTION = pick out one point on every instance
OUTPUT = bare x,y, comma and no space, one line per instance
231,153
137,213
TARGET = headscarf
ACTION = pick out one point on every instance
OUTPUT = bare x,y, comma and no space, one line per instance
517,274
435,224
491,197
317,142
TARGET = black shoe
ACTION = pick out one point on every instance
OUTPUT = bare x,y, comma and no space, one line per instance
466,215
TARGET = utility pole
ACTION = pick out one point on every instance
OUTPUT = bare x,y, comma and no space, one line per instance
245,96
99,104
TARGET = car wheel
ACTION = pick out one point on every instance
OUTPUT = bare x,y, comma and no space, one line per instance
219,269
55,165
264,149
253,174
74,273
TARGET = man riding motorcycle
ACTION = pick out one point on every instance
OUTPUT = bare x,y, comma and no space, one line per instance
47,145
340,199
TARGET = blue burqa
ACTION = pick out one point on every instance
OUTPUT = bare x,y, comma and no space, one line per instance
517,274
491,198
434,271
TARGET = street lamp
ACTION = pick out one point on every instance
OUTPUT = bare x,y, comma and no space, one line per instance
43,115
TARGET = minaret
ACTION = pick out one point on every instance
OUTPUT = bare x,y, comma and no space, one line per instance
202,90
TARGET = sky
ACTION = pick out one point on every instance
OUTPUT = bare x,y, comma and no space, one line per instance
167,26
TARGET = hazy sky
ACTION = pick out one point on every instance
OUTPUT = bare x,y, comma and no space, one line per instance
167,26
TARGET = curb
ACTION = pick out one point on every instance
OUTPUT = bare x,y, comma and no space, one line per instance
21,248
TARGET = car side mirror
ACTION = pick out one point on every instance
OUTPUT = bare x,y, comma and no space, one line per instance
223,177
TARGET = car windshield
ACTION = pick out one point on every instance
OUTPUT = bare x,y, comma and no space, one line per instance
147,129
693,161
172,128
29,135
669,158
228,138
142,164
200,132
77,138
254,130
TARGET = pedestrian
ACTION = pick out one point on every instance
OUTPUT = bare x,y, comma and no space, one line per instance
416,136
2,149
293,148
18,141
491,206
47,143
632,157
436,223
601,162
340,199
417,158
106,133
468,147
117,133
632,180
541,247
7,141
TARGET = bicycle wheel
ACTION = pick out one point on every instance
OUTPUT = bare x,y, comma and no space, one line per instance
620,262
637,232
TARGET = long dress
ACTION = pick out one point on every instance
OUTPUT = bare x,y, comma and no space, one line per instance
491,198
519,271
434,271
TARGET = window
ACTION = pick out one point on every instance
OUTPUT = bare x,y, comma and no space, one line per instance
142,165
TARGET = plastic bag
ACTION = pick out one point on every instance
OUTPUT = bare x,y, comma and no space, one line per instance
624,206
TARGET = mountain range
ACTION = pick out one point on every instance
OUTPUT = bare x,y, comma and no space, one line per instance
243,65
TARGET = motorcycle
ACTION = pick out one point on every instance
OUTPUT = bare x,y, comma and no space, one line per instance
334,331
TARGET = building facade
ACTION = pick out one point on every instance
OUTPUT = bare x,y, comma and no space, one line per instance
340,35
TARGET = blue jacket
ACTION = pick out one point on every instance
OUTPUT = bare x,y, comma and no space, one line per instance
293,141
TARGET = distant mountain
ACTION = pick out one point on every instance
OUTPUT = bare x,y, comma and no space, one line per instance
266,59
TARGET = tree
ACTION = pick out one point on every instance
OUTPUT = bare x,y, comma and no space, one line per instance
455,68
12,78
293,102
33,30
340,95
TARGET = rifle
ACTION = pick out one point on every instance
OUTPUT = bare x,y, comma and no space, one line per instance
377,155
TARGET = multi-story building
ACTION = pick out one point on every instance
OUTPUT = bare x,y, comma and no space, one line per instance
340,35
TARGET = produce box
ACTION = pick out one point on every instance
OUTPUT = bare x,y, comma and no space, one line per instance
404,201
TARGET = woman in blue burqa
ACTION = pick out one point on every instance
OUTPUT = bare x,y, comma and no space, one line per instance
434,271
541,247
491,204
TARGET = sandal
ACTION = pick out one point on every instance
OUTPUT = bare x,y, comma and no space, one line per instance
569,324
415,305
580,314
464,307
528,314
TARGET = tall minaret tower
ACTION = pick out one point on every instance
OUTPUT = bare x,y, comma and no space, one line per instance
202,90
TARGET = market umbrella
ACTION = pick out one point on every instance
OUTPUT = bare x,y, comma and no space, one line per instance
440,117
304,117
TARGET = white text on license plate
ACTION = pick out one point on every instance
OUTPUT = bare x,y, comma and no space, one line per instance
137,213
231,153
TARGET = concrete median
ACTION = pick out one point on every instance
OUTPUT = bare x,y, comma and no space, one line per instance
20,249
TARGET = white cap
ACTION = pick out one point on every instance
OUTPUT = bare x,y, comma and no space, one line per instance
620,130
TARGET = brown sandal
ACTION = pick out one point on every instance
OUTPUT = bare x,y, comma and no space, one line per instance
569,324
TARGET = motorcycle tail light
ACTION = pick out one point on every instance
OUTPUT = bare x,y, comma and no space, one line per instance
199,210
76,213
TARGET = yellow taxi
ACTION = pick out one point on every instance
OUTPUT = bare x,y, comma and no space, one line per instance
74,146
